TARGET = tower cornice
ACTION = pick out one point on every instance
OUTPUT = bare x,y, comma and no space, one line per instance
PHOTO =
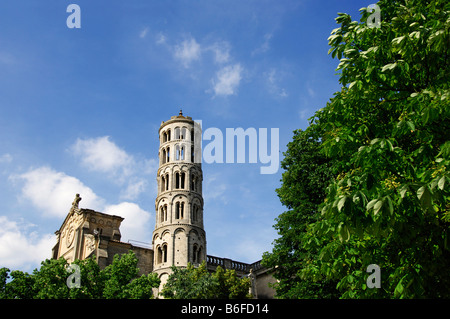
176,225
176,119
179,163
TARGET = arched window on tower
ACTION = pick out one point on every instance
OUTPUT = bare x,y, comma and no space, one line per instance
183,133
199,254
164,253
159,255
177,180
195,212
182,153
164,156
163,183
161,214
167,182
177,152
182,210
168,154
179,210
177,133
194,254
182,179
193,182
168,135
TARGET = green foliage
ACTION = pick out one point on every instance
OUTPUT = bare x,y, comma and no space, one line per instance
21,286
307,174
197,283
92,282
117,281
121,272
49,282
3,278
141,287
229,285
386,134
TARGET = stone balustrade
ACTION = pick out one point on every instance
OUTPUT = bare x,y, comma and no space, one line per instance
232,264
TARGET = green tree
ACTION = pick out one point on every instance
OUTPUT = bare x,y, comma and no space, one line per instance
122,281
306,176
119,274
92,280
142,287
198,283
3,278
229,285
386,132
189,283
21,285
117,281
49,282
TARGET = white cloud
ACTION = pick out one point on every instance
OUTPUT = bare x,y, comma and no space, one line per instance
273,79
303,113
20,248
143,33
136,223
150,166
227,80
265,46
228,74
187,52
53,192
6,158
213,190
221,51
134,189
161,39
100,154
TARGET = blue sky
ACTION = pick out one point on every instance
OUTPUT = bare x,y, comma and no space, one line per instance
80,109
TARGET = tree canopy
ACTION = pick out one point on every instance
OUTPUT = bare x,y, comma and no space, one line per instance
368,181
119,280
198,283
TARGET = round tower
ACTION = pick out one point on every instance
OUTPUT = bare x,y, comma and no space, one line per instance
179,236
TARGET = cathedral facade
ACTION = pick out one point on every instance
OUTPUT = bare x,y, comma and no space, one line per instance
179,236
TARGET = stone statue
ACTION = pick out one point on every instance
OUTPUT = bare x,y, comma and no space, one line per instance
75,202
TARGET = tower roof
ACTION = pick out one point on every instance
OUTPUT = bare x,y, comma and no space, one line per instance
177,118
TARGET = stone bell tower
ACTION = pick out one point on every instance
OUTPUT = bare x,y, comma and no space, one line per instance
179,236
